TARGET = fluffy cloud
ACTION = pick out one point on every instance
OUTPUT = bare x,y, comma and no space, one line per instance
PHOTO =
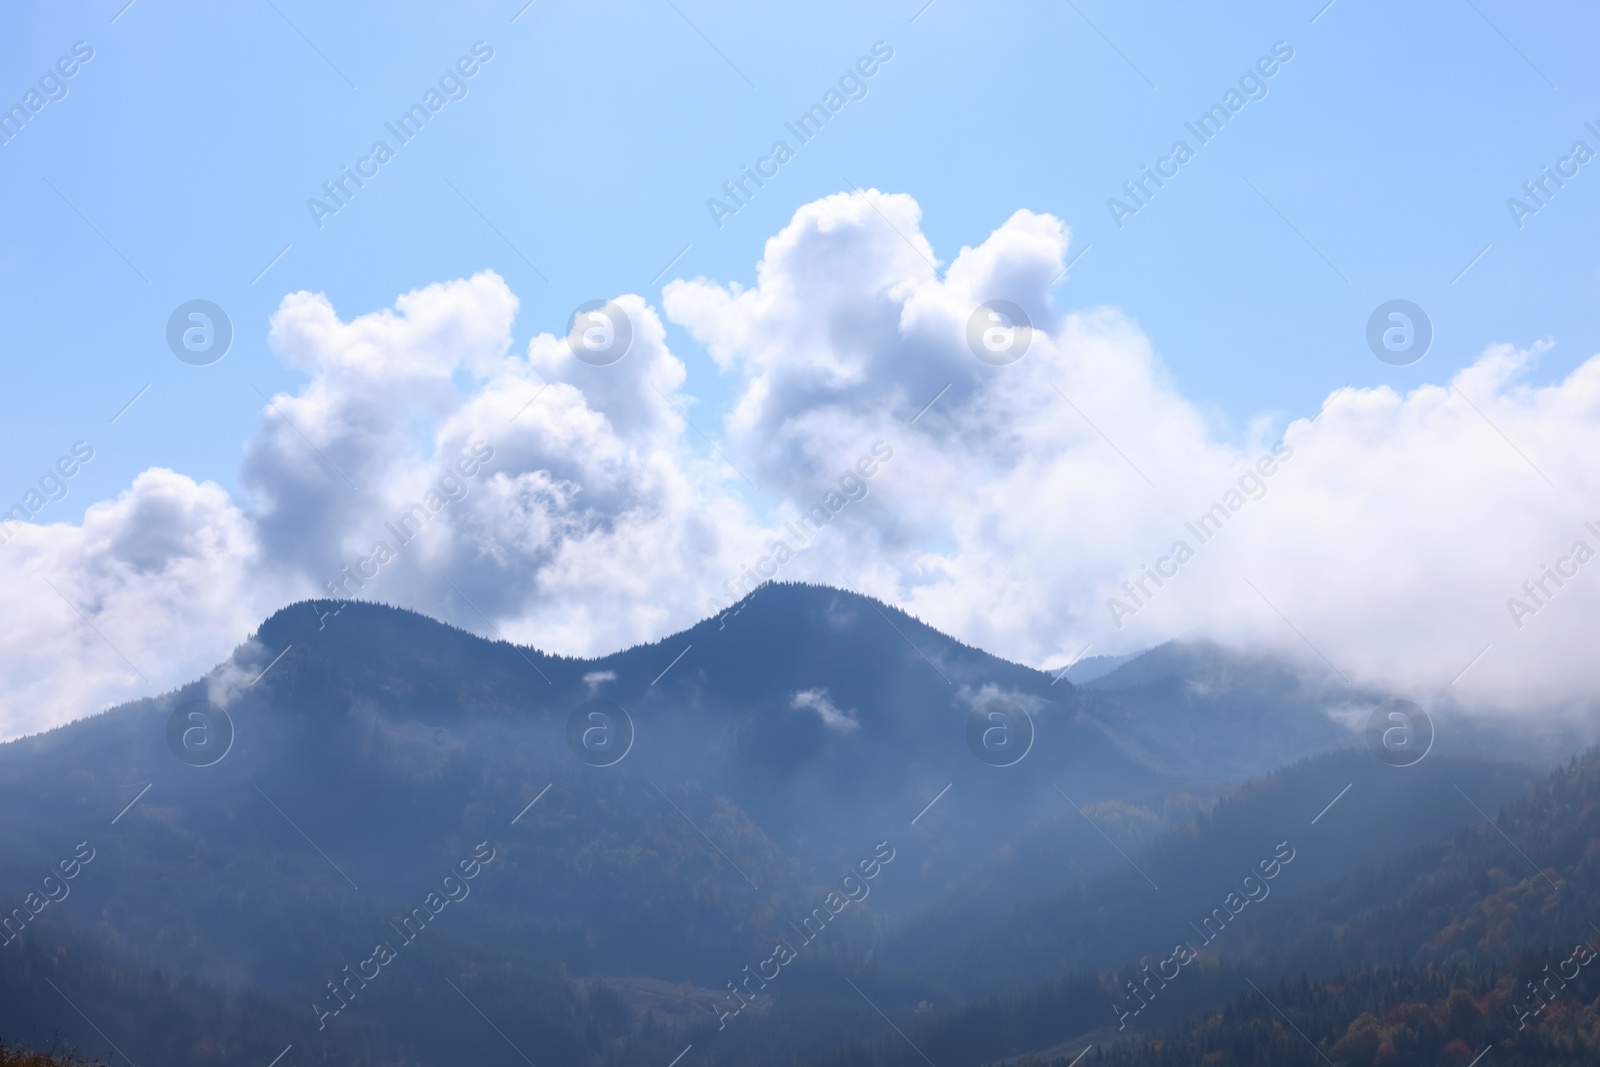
129,603
817,700
1020,512
1028,502
574,536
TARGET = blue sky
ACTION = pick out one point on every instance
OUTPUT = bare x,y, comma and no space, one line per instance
1373,161
594,137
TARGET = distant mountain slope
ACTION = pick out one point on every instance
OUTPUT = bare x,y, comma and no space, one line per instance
1197,709
1439,1016
1473,901
1528,879
774,748
1155,898
1090,668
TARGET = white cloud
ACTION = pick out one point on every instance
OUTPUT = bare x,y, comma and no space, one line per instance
1014,509
1020,503
153,589
843,722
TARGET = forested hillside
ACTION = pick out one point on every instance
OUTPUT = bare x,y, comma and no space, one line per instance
1472,908
1411,1017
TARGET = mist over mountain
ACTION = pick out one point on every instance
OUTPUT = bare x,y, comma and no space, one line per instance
1463,938
620,898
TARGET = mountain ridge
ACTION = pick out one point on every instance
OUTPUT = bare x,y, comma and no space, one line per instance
770,750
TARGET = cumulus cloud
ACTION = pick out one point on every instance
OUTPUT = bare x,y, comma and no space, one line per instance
579,532
126,604
1033,509
1031,498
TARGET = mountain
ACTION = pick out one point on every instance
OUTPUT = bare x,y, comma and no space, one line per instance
1089,668
408,853
1471,912
1166,889
1436,1016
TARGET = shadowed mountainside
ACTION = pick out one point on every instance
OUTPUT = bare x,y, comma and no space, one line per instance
234,907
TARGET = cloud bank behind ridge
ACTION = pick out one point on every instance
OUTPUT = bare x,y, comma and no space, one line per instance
1019,511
